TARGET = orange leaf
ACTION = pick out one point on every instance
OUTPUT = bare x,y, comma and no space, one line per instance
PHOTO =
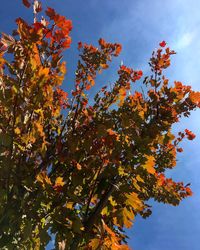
111,132
195,97
91,80
78,166
118,49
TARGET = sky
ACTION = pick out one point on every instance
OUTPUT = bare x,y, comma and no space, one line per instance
139,25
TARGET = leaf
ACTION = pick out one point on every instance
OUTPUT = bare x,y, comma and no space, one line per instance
122,95
39,127
17,131
139,179
43,72
94,244
105,211
111,132
104,65
118,49
43,179
195,97
50,13
134,201
162,44
149,165
59,182
91,80
127,217
79,167
26,3
189,134
112,202
69,205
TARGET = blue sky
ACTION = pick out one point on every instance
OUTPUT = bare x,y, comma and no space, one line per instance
139,25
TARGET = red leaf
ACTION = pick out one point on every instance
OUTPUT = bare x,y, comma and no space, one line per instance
162,44
189,134
179,150
26,3
80,45
102,43
118,49
50,13
38,26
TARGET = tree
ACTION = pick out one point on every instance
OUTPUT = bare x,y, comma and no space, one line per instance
77,168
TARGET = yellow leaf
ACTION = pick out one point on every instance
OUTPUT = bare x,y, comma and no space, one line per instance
136,185
39,112
94,243
149,165
112,202
59,182
139,179
128,216
69,205
104,211
121,171
17,131
134,201
43,178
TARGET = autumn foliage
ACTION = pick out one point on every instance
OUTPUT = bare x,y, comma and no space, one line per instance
76,168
